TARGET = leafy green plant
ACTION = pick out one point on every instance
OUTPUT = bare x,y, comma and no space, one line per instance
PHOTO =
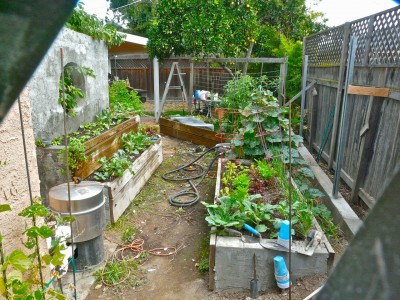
91,25
20,270
253,108
76,154
128,235
39,143
121,99
135,143
72,92
266,171
202,264
114,167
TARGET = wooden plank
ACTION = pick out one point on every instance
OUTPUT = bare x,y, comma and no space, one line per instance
282,83
117,184
368,91
109,134
106,144
339,93
192,134
127,191
273,60
211,261
367,144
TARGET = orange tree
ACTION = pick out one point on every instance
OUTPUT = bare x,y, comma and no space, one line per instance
202,28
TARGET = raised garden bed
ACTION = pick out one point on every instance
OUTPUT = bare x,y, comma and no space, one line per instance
123,190
120,191
196,135
231,259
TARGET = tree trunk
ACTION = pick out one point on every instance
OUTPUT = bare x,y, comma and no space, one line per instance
248,54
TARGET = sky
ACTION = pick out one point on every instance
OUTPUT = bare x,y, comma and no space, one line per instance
337,11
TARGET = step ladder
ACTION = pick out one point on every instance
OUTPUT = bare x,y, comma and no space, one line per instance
178,87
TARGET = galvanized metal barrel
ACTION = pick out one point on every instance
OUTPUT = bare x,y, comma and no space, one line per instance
87,207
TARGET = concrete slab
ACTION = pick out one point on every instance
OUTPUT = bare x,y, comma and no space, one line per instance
234,263
342,213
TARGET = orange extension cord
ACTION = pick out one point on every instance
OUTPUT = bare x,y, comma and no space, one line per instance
137,248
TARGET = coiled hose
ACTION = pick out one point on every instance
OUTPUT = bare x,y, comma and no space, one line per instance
192,167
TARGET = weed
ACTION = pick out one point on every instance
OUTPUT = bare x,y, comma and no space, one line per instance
202,264
128,235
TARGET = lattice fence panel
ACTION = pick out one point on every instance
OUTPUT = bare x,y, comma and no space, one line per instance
130,64
385,44
360,29
325,48
378,43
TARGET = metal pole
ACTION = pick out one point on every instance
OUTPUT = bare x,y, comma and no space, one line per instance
344,115
191,86
303,94
156,80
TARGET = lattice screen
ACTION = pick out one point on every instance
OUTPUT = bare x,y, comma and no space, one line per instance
378,41
385,44
325,48
360,29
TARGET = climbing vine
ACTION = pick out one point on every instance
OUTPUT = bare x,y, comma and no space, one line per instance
72,92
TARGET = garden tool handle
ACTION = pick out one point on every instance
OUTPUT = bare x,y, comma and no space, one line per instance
233,231
251,229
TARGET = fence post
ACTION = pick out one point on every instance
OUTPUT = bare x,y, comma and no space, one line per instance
303,94
282,83
156,79
344,116
342,70
368,39
191,85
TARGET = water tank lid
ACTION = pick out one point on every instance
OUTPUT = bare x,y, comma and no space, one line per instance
81,191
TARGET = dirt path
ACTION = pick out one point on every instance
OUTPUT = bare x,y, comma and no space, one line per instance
153,219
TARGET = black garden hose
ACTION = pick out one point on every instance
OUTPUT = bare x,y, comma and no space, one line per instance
201,174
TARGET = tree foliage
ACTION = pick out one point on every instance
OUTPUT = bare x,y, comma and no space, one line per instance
91,25
202,28
137,17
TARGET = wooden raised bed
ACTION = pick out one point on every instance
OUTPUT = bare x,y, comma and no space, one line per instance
231,260
105,144
185,132
123,190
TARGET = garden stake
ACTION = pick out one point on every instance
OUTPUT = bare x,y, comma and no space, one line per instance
254,281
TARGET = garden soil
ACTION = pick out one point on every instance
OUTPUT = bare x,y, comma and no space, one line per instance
159,224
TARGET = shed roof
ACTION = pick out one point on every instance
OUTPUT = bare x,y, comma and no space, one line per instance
133,44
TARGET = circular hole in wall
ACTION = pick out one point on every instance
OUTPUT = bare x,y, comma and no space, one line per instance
74,86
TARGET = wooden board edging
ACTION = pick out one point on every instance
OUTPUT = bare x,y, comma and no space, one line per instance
105,145
123,190
189,133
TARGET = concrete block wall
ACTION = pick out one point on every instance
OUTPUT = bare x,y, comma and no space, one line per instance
234,263
43,87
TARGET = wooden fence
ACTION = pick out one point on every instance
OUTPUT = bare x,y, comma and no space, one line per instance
140,73
208,76
372,147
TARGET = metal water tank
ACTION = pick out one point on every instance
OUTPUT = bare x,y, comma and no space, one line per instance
87,207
